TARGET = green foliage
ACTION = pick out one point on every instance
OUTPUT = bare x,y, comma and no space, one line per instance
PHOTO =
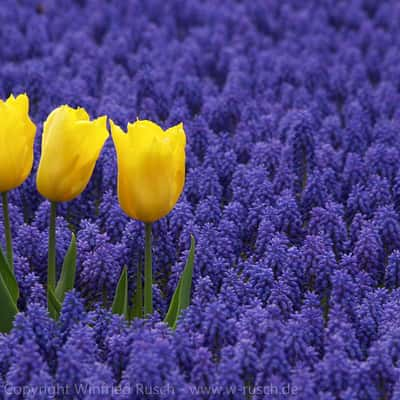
9,294
181,297
68,272
8,276
54,304
66,281
120,303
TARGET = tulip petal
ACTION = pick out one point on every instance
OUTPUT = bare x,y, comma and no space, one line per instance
149,178
17,134
120,138
71,145
142,132
177,136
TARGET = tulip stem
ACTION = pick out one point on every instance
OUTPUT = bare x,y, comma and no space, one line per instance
51,271
148,273
7,229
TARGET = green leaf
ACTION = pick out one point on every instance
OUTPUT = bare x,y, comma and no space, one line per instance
8,277
184,293
120,303
137,309
8,308
171,316
181,297
54,304
68,271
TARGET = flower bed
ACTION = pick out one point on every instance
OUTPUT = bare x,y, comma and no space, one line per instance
292,117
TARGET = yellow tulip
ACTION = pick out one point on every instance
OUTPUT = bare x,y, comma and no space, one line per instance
71,145
17,134
151,168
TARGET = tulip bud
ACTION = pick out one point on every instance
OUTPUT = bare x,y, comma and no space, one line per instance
151,168
17,134
71,145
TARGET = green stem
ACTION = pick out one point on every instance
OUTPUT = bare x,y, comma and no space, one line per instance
51,270
148,273
7,229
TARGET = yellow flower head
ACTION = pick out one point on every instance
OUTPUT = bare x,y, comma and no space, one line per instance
17,134
151,168
71,145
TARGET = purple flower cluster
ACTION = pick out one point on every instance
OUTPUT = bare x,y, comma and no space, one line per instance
292,115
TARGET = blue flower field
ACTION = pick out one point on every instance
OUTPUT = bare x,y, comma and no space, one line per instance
291,110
